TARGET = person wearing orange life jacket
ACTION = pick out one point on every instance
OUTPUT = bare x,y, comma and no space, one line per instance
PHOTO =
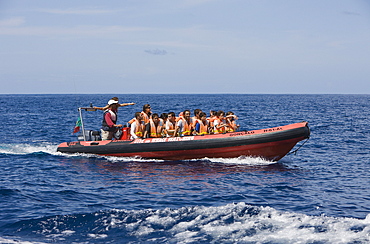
137,126
202,125
219,123
196,117
184,126
212,117
163,118
231,122
146,113
154,127
170,125
179,117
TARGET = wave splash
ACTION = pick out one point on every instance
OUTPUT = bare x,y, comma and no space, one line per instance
232,223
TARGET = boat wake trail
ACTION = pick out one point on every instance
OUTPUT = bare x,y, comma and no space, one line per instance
231,223
50,149
23,149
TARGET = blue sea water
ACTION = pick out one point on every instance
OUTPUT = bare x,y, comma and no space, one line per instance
319,195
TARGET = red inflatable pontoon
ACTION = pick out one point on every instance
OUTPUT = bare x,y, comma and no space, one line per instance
271,144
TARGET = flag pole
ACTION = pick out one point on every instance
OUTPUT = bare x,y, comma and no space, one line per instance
82,124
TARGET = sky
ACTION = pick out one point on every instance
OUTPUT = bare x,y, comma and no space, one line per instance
185,46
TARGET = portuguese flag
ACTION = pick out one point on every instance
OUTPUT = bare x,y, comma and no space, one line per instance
77,126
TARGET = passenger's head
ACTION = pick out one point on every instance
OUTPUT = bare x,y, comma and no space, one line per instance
202,116
171,116
186,114
220,113
138,115
164,116
230,115
155,118
213,113
146,108
197,111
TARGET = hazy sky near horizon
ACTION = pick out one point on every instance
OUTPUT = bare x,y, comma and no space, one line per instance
187,46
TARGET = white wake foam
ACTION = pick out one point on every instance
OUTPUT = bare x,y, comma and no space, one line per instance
22,149
11,241
243,160
235,161
45,147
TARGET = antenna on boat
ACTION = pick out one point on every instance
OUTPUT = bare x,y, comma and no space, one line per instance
91,108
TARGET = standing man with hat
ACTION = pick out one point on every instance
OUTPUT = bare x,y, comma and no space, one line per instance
109,126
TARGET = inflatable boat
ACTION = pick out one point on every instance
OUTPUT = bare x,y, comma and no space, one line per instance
271,144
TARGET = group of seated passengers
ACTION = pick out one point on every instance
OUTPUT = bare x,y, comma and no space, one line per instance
145,124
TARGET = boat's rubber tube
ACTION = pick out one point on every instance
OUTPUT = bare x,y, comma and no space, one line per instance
273,144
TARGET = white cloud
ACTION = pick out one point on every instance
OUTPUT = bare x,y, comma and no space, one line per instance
78,11
191,3
77,31
16,21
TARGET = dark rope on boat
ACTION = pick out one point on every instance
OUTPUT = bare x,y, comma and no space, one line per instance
295,151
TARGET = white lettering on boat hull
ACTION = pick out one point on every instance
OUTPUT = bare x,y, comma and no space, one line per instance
168,139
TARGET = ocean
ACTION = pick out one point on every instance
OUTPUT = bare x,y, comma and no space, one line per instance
319,195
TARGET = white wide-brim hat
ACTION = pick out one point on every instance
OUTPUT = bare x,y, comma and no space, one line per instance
110,102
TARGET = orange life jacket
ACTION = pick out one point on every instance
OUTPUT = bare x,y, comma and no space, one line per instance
203,130
211,120
155,131
186,129
131,121
139,128
145,117
171,126
178,118
221,129
194,121
231,126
